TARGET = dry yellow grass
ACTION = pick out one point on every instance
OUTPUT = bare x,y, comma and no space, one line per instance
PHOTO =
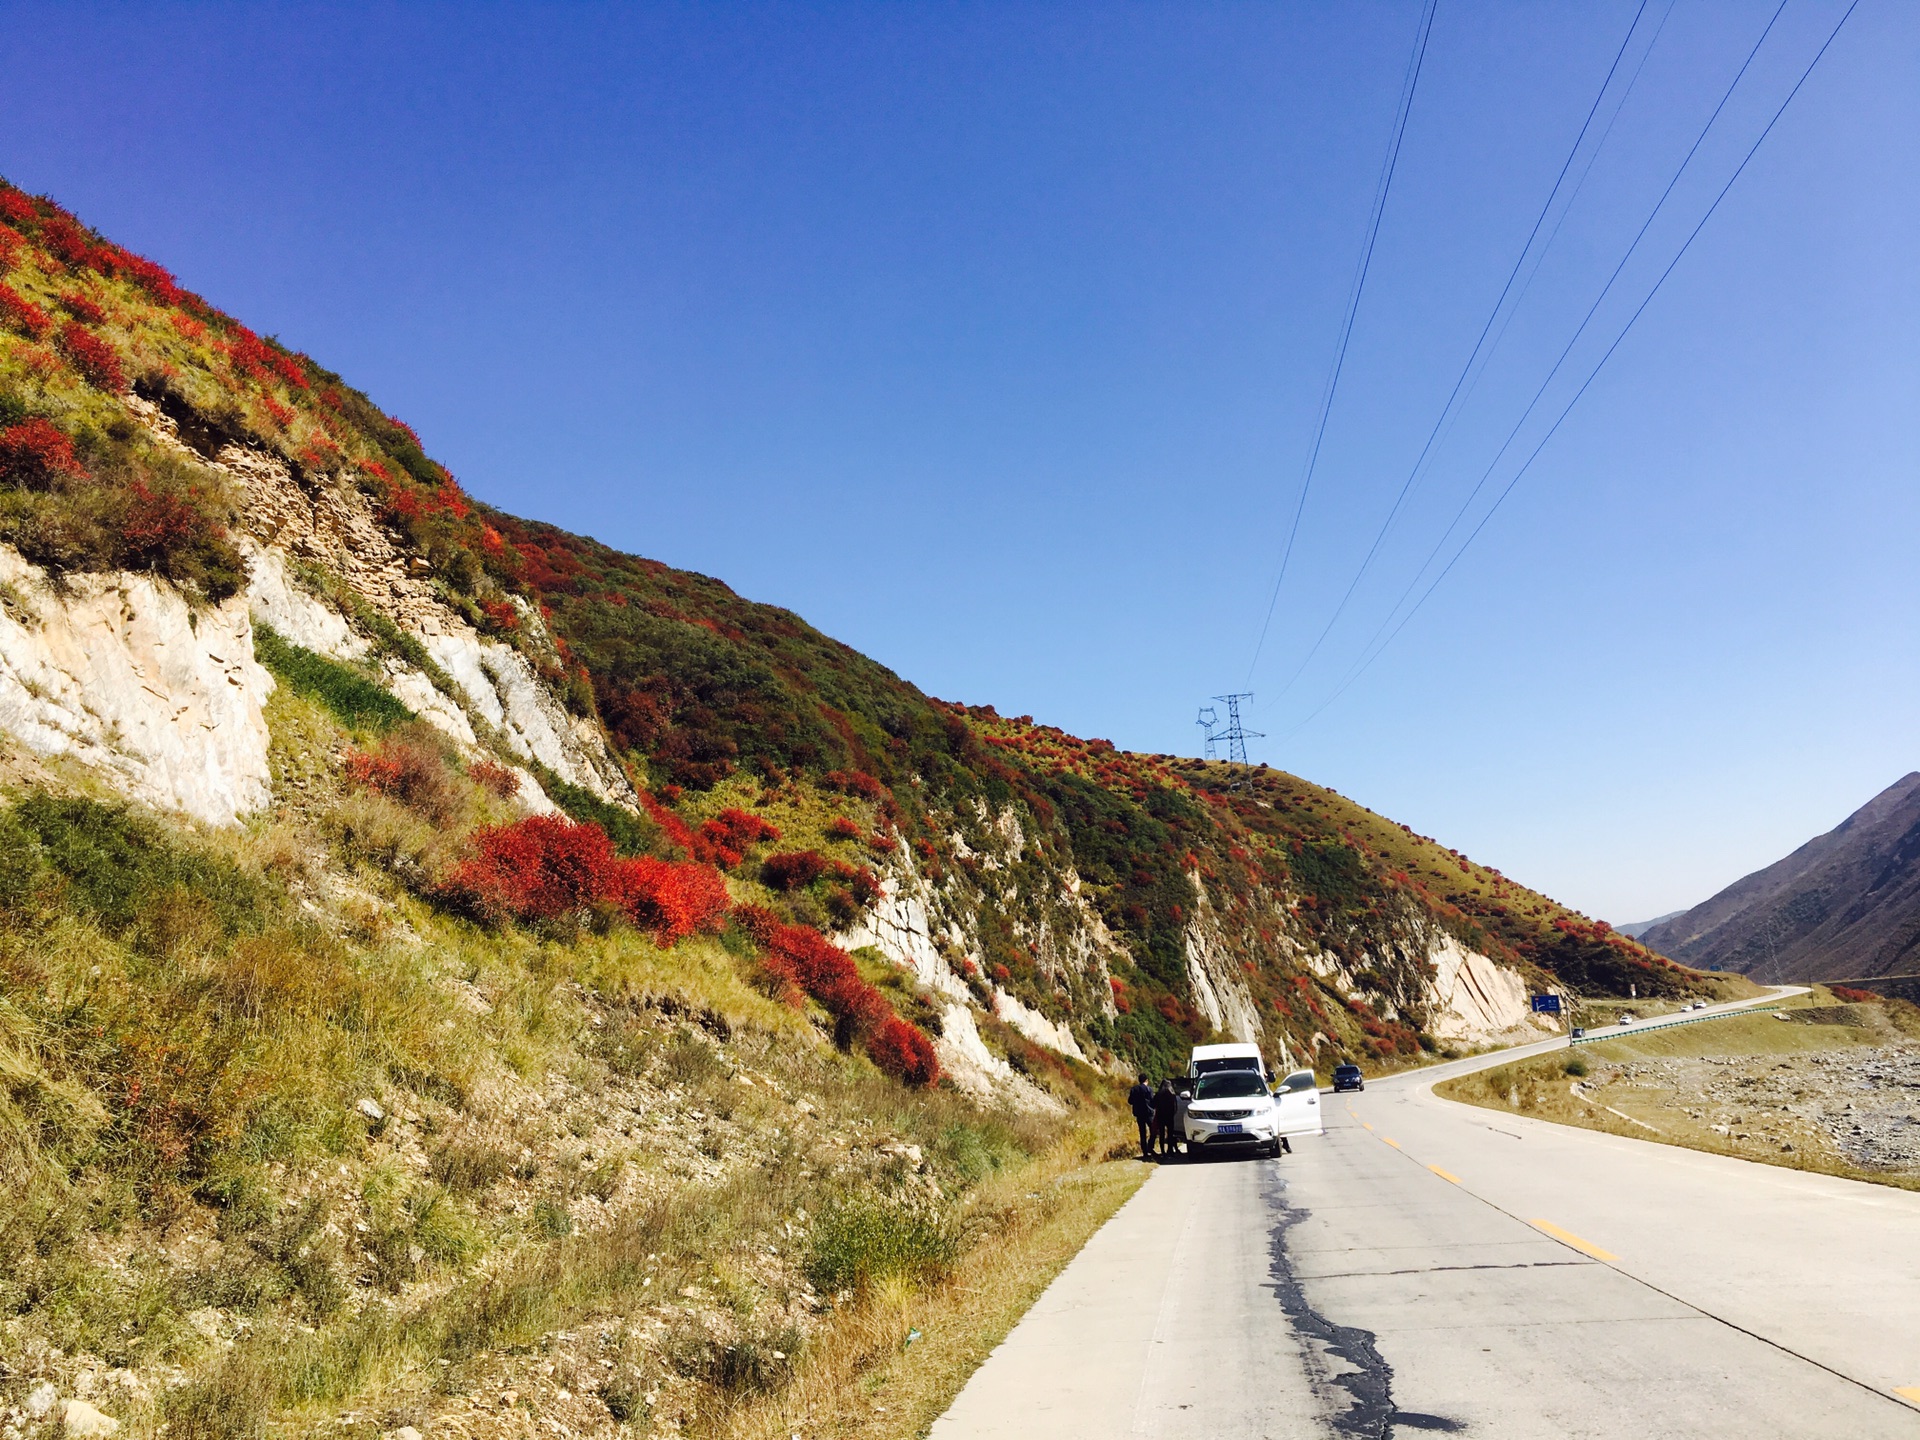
1682,1086
864,1380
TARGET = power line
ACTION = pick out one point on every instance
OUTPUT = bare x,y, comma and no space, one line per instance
1593,374
1381,192
1367,650
1479,342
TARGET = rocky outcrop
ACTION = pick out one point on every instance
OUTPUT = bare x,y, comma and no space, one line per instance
1214,975
121,674
1474,1000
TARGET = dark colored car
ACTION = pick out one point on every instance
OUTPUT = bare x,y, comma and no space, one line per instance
1347,1077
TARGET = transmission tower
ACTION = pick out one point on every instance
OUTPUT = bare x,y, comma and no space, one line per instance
1208,719
1233,734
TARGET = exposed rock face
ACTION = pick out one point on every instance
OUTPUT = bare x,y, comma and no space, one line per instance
121,674
1474,1000
1844,906
1219,992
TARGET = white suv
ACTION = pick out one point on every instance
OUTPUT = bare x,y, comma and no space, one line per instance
1233,1109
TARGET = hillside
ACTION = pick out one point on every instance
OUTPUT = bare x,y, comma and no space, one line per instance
1845,905
417,923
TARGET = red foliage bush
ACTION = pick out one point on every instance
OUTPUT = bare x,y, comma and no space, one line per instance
92,357
82,308
548,868
794,870
673,899
17,207
22,314
36,452
500,614
804,961
372,772
496,779
727,837
10,247
1850,995
903,1051
282,414
854,782
158,525
541,868
1002,974
841,828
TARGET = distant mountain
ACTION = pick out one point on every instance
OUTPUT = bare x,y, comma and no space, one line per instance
1638,928
1843,906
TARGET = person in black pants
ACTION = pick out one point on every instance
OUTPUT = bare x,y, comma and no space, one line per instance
1140,1101
1166,1118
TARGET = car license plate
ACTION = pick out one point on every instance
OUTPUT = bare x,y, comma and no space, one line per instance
1232,1130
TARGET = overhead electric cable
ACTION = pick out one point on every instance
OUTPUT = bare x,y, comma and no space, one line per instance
1593,374
1586,320
1381,191
1480,341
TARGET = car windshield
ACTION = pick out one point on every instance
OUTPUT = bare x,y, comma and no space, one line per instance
1226,1062
1348,1070
1229,1085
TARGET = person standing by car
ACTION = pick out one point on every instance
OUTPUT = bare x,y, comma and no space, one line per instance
1166,1112
1140,1101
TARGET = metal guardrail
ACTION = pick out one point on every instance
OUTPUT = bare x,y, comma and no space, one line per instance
1615,1032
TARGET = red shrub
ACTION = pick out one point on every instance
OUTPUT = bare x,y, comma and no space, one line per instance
841,828
675,827
794,870
35,452
1002,974
670,898
728,836
854,782
1849,995
882,841
541,868
82,308
282,414
17,207
92,357
372,772
10,246
496,779
904,1052
22,314
157,525
500,614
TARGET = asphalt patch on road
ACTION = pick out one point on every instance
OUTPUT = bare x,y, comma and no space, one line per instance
1370,1410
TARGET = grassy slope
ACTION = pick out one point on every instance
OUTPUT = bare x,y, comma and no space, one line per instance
1650,1086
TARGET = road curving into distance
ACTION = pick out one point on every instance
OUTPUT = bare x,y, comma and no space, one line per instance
1428,1266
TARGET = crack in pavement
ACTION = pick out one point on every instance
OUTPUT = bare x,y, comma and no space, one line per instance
1370,1410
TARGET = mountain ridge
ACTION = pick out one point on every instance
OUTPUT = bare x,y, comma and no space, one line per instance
1845,905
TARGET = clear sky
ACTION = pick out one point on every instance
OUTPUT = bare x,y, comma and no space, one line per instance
991,337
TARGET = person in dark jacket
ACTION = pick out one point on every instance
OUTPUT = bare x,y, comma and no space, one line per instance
1140,1101
1166,1116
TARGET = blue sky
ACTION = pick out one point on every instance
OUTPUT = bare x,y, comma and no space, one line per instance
990,338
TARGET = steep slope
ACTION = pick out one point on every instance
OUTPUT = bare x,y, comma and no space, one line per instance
162,458
1845,905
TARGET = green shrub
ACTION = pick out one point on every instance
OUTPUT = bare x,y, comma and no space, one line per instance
861,1241
353,699
1576,1065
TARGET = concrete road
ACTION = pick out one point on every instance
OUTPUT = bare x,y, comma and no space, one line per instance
1427,1266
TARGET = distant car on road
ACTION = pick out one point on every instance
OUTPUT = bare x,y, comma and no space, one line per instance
1698,1005
1625,1020
1579,1032
1348,1077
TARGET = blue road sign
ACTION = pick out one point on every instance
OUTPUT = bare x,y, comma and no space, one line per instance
1546,1004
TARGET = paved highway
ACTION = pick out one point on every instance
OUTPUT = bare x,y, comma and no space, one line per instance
1431,1267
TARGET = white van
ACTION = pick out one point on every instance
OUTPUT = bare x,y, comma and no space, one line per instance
1237,1055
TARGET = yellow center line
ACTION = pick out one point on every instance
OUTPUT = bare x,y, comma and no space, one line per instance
1908,1392
1567,1237
1444,1175
1391,1141
1365,1126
